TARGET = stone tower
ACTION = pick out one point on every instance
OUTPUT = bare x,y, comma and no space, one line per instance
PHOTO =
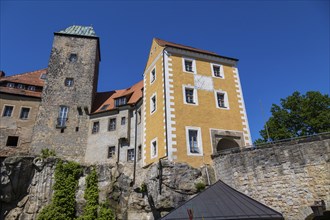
71,84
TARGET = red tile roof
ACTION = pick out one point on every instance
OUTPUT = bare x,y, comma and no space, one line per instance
164,43
134,94
28,78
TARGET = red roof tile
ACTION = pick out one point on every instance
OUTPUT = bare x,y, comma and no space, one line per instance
134,94
164,43
29,78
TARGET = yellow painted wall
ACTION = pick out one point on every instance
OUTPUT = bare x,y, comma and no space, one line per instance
205,115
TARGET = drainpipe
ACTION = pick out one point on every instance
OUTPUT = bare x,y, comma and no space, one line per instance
135,145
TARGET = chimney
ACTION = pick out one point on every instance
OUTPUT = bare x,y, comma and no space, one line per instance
2,74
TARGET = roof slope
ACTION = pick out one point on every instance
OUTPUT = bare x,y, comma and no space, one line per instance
79,30
133,93
220,201
164,43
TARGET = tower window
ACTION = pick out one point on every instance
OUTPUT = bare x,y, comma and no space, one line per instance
96,127
154,150
130,154
123,120
189,65
62,116
73,57
221,99
8,111
152,75
217,70
12,141
24,113
112,124
68,82
139,155
153,104
194,141
190,95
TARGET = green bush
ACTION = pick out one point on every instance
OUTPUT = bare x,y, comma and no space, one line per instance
63,203
200,186
105,213
47,153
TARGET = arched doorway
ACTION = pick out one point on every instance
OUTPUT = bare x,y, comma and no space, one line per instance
226,143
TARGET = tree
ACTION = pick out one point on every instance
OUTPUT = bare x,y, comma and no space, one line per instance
298,115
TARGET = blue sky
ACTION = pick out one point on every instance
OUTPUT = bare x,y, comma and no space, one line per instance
283,46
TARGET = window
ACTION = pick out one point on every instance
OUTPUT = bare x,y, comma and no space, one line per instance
221,100
12,141
62,116
153,75
96,127
8,111
190,95
104,107
123,121
24,113
111,152
31,88
68,82
112,124
217,70
189,65
154,150
153,104
120,101
194,141
73,57
20,86
130,154
80,112
11,85
43,76
139,152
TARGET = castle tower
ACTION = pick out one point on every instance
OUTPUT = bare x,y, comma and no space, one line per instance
193,105
71,84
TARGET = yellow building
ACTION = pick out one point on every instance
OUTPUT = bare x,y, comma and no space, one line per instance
193,105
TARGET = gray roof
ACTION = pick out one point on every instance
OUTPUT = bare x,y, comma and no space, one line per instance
79,30
220,201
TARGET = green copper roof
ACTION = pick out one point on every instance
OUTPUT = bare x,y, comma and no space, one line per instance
79,30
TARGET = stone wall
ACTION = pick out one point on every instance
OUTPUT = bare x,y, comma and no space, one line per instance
288,177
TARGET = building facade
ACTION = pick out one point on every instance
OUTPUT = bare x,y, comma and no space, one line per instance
188,107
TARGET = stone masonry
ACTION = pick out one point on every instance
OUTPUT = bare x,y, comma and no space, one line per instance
288,177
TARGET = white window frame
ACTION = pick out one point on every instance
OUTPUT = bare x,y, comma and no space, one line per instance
222,73
20,112
152,80
184,87
226,99
151,104
199,141
193,65
3,111
151,148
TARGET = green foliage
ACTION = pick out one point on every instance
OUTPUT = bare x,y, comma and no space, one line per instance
63,203
298,115
47,153
143,188
91,196
105,212
200,186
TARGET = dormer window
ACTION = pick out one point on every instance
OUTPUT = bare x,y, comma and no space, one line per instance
43,76
20,86
68,82
73,57
31,88
104,107
120,101
11,85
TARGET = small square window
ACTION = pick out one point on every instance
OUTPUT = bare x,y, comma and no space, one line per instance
130,155
190,95
96,127
153,104
8,111
152,75
217,70
123,120
111,152
12,141
112,124
222,100
188,64
11,85
24,113
73,57
31,88
194,141
68,82
139,155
